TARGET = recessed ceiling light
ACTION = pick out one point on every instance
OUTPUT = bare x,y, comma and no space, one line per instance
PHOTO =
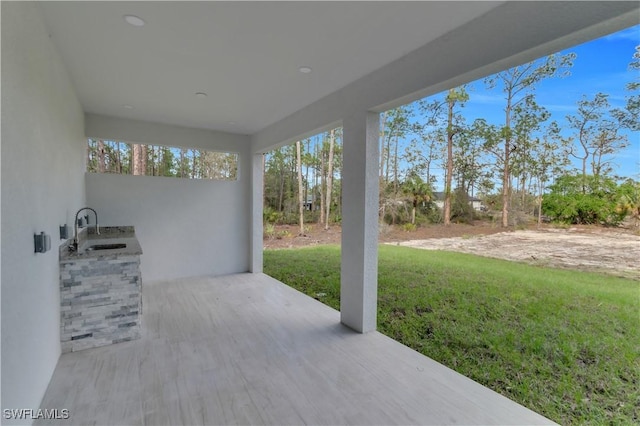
133,20
127,106
304,70
201,95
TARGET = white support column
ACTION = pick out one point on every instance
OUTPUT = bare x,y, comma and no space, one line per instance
256,213
359,270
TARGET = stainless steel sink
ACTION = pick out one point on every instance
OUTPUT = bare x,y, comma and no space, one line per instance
107,246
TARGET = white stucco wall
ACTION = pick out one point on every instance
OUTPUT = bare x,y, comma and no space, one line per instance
42,187
185,227
123,129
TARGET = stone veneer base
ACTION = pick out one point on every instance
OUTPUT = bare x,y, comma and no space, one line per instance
101,301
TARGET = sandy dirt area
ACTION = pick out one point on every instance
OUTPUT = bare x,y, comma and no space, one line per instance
612,251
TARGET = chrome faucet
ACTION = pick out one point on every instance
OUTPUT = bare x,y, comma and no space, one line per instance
75,226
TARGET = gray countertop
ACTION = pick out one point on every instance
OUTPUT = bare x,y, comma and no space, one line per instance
87,237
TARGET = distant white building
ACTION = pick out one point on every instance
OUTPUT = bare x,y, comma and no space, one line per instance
475,203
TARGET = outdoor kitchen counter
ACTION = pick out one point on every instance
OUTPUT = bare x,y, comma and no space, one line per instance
100,290
108,235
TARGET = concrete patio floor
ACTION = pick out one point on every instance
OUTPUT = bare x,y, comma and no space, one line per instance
247,349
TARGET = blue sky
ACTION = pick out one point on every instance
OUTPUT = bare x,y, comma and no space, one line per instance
601,65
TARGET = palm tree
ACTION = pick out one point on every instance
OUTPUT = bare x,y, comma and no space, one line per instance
418,191
629,202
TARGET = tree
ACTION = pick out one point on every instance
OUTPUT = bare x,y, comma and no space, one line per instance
547,159
300,192
104,156
418,191
329,177
629,117
139,159
461,208
469,165
101,157
323,183
454,96
569,203
629,201
280,181
517,84
528,118
394,126
597,135
421,153
447,127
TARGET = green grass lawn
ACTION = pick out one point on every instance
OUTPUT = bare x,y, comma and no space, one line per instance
565,344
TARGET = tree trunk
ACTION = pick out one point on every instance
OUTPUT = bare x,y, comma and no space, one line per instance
523,188
386,167
264,180
154,161
323,185
118,160
281,194
584,159
300,193
193,165
181,172
540,188
505,198
139,159
202,166
506,177
89,168
101,158
413,212
306,179
395,168
329,179
383,121
449,175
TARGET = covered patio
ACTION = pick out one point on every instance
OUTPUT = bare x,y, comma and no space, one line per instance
242,78
247,349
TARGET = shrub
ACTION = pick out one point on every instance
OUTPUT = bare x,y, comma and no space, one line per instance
283,234
384,228
409,227
270,215
575,199
461,210
269,230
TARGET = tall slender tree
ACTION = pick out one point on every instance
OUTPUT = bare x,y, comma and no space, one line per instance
329,177
629,116
447,123
454,96
395,126
300,188
528,120
597,135
139,159
517,84
547,159
102,164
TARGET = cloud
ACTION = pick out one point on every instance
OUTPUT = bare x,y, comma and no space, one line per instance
632,34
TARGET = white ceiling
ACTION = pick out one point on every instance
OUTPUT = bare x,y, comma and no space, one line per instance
244,55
